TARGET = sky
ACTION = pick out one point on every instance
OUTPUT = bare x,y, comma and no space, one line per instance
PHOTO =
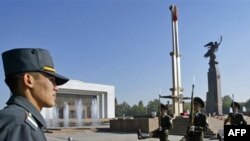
126,43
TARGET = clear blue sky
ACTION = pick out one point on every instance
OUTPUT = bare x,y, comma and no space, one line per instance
126,43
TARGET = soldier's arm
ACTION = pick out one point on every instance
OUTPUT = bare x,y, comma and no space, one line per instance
170,123
19,132
244,122
227,120
204,125
199,128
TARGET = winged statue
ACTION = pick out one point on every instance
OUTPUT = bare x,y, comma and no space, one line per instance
212,47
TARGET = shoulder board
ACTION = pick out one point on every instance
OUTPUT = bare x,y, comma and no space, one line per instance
31,121
201,114
240,114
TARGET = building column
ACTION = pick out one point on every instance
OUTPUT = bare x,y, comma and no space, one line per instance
101,105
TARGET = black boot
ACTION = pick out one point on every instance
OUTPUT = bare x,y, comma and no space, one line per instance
139,134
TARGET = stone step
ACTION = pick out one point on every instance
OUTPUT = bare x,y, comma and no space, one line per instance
180,126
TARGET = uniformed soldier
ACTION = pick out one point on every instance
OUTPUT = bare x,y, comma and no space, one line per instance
163,131
199,122
32,80
235,118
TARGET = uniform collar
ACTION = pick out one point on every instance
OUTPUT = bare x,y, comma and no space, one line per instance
23,102
198,113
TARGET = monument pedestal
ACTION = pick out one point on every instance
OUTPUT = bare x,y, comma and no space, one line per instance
214,99
132,125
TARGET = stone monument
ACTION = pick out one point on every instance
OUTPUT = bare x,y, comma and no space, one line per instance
214,99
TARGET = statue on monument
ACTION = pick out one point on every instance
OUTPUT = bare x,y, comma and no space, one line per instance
212,48
214,85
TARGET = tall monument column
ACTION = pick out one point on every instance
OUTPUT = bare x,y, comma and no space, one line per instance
176,68
214,99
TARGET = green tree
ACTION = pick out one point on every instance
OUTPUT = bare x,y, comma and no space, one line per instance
247,104
116,102
118,110
125,109
139,109
135,110
227,100
242,104
153,106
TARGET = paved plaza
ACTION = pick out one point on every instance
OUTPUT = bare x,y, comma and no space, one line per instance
102,133
92,135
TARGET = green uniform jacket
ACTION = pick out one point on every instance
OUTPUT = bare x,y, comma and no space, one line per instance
201,125
237,119
20,121
166,122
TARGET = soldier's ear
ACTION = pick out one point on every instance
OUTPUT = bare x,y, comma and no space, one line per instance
28,80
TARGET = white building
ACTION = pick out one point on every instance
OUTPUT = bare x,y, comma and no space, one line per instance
89,99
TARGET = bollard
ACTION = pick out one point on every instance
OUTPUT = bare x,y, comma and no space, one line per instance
70,139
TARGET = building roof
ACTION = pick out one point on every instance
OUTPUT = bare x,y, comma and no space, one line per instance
80,85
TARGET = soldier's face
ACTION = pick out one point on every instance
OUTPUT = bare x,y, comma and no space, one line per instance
163,111
44,90
196,107
235,109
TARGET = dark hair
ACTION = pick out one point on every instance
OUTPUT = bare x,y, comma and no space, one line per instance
14,81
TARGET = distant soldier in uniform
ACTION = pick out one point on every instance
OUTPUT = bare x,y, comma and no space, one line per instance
32,80
165,125
199,122
235,118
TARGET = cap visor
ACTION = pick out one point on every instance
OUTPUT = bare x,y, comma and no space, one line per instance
60,80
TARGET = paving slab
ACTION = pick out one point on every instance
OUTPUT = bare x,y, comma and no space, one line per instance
93,135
